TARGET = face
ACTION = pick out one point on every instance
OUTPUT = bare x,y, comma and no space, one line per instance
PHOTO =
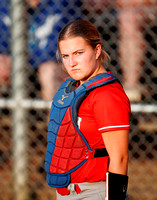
80,59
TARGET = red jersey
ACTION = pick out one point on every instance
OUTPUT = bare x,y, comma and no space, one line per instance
106,108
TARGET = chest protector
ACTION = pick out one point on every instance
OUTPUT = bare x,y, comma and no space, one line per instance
67,148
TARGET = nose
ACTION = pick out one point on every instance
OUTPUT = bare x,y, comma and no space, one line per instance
72,61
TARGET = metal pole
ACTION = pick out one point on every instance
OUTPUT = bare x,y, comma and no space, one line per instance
40,104
18,51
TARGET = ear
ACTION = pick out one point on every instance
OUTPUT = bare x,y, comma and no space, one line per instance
98,50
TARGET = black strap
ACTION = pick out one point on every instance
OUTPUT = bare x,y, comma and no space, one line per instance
100,153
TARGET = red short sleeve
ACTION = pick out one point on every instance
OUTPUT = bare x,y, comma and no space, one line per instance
111,108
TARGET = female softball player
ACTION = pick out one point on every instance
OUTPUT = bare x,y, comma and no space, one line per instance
87,151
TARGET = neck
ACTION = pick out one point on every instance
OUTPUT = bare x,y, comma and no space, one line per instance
99,70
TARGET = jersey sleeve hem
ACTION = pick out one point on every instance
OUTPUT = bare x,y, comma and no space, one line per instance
114,128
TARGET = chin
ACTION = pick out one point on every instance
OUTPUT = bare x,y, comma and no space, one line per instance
77,78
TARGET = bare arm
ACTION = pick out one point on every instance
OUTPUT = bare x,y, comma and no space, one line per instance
116,143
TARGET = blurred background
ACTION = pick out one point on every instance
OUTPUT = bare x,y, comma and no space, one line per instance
30,76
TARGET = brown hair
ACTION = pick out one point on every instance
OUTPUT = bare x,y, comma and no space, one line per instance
86,30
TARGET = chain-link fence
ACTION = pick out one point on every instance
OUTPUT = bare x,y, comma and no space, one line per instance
30,75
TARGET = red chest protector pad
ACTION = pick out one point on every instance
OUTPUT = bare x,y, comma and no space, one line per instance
67,148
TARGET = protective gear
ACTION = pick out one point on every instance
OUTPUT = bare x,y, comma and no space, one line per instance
116,186
67,147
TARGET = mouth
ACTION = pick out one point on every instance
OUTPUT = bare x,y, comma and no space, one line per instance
75,70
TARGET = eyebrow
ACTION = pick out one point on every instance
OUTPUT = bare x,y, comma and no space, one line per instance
73,52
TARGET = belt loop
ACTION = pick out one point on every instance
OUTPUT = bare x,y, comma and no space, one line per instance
77,189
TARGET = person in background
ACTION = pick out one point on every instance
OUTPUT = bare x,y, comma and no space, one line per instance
132,44
46,19
88,130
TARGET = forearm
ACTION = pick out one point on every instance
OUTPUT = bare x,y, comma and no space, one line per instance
116,143
119,165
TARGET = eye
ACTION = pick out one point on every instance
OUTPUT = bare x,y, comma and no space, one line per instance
79,52
64,56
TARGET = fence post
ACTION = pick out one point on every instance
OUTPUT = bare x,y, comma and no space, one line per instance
18,53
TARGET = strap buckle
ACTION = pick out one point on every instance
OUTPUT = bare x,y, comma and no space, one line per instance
89,154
